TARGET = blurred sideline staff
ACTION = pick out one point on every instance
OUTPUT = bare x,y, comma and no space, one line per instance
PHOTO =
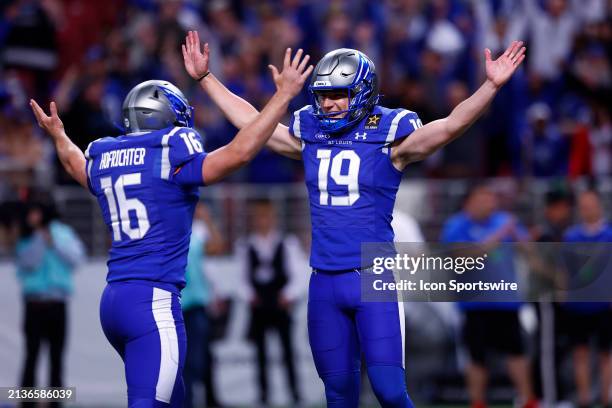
274,278
196,297
46,255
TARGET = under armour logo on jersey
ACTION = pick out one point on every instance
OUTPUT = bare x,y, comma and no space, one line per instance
361,136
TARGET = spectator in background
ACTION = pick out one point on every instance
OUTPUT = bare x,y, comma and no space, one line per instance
30,48
46,256
600,138
24,156
85,115
274,269
551,30
545,148
587,320
420,47
557,217
195,298
11,214
453,156
491,326
591,148
551,344
338,29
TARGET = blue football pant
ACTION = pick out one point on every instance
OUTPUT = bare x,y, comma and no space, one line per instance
145,325
341,327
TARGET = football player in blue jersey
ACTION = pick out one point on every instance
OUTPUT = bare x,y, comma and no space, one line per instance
354,152
147,185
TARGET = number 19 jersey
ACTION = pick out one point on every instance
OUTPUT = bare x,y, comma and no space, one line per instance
147,186
351,183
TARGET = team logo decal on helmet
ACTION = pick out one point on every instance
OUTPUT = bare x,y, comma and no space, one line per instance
154,105
350,70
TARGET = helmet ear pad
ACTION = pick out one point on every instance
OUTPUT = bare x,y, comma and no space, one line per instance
154,105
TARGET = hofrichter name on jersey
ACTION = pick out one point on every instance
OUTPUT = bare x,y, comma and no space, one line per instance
351,182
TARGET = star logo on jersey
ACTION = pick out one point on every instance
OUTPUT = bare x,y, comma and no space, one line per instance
361,136
373,121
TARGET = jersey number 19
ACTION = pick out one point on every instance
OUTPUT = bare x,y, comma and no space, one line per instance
350,179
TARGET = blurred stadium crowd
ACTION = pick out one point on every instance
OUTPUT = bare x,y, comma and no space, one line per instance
551,120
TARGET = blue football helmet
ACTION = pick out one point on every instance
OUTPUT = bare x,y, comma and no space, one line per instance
154,105
350,70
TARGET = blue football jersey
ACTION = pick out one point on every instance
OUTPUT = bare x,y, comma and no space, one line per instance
578,233
351,183
147,186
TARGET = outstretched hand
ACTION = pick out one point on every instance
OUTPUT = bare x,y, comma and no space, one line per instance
500,70
50,124
291,80
194,58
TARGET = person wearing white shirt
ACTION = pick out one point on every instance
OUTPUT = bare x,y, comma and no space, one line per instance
273,267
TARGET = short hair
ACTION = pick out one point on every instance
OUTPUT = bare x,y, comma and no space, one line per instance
557,196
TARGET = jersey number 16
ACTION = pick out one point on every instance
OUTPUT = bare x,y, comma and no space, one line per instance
119,207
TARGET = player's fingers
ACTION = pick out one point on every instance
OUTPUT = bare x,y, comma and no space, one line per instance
197,41
206,49
516,50
303,63
519,61
296,58
33,106
518,55
38,112
53,109
487,54
192,42
274,71
186,54
509,49
187,40
287,60
184,50
307,73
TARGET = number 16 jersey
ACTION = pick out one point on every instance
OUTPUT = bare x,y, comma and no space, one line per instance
351,183
147,186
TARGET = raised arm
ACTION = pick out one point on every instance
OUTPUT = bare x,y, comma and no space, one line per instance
434,135
237,110
252,137
70,155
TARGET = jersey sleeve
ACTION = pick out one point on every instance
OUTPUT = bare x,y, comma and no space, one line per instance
300,122
403,123
182,157
89,159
